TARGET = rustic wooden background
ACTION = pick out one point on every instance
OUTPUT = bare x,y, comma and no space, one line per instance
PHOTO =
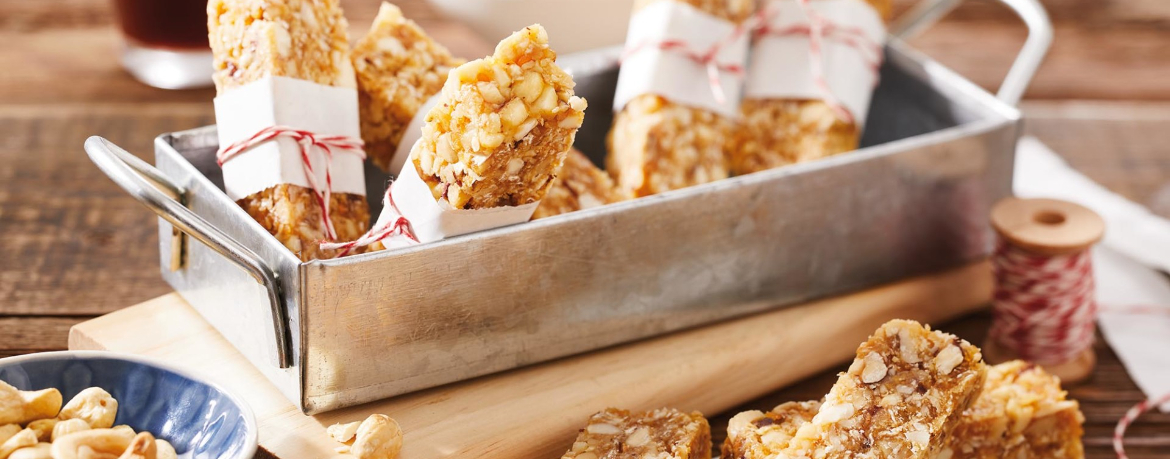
73,246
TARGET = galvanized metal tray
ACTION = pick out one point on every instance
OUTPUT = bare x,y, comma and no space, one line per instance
936,154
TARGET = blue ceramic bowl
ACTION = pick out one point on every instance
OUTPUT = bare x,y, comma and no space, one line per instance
199,418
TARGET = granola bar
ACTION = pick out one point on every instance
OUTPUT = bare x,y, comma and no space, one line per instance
291,213
778,132
1022,413
661,434
503,128
399,67
901,397
580,185
759,435
656,145
302,39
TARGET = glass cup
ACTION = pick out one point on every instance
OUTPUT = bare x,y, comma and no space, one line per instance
166,42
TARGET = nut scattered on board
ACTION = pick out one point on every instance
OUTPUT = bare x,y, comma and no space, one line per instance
378,437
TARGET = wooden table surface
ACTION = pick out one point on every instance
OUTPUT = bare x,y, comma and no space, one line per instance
75,246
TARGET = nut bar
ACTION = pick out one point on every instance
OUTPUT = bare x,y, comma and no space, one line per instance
778,132
398,69
501,132
1022,413
580,185
656,145
302,39
758,435
901,397
663,433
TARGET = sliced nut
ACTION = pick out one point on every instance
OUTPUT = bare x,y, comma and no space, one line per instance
90,443
21,407
68,426
37,451
640,437
141,447
343,432
43,428
94,405
948,358
22,439
379,437
874,368
164,449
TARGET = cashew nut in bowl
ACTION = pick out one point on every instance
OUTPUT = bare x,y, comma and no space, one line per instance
67,427
22,439
141,447
20,407
94,405
379,437
37,451
125,429
92,442
164,450
7,431
43,428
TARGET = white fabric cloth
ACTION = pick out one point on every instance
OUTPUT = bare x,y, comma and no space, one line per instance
1129,264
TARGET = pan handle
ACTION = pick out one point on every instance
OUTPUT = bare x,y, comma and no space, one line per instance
159,193
927,12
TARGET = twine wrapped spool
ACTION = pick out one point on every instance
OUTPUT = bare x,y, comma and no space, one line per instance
1045,306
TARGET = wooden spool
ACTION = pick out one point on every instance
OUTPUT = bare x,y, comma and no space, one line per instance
1047,227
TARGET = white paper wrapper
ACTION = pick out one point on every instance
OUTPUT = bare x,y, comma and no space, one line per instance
434,221
670,73
411,135
781,66
281,101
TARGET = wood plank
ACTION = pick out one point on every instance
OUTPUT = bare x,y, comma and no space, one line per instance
22,335
536,411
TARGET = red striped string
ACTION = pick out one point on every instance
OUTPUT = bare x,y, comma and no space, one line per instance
821,29
306,140
398,226
1130,416
1044,306
707,58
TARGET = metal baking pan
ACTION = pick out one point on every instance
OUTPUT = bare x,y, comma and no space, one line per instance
936,154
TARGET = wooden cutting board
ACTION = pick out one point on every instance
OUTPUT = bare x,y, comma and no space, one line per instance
534,412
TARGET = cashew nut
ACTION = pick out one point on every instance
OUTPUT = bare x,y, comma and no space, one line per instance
164,450
67,427
92,443
7,431
343,432
43,428
20,440
379,437
125,429
95,406
141,447
37,451
21,407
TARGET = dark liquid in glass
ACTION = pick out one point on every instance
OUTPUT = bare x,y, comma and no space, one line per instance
173,24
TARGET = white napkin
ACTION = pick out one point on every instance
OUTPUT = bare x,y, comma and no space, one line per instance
1126,264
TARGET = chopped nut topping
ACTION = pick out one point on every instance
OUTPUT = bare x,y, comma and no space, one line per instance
580,185
503,127
659,434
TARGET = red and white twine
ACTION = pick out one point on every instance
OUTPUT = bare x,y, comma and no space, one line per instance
1044,306
819,30
307,141
1140,408
395,226
708,58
